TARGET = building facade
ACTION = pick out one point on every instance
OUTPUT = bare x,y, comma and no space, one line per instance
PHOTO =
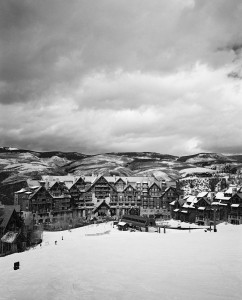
65,198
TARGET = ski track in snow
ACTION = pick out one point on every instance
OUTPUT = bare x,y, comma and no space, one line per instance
182,265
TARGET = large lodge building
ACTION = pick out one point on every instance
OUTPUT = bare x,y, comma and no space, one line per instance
58,198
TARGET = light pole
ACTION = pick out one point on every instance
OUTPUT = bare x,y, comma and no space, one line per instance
214,219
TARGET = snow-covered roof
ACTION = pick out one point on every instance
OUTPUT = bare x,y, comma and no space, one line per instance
230,190
191,200
220,196
35,192
173,202
9,237
61,196
176,210
202,194
201,208
23,190
235,205
187,205
218,203
122,223
34,187
68,185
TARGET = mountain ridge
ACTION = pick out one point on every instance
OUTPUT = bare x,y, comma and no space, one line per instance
19,164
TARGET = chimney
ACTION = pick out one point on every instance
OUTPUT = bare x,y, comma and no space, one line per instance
42,183
47,185
211,197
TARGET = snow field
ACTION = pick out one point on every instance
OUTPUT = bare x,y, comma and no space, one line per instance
128,265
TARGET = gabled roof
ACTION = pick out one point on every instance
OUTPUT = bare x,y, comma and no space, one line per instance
170,188
37,190
80,179
236,198
129,185
156,184
5,215
188,205
53,184
230,190
202,194
96,180
73,185
119,179
203,199
220,196
192,199
101,204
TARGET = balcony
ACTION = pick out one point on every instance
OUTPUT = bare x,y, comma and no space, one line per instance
234,216
89,204
59,210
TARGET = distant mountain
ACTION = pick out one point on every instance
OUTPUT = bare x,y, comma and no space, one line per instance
207,159
20,164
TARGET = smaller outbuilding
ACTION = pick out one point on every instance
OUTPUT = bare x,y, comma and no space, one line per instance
123,226
138,222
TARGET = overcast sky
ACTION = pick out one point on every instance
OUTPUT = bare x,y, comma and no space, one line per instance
121,75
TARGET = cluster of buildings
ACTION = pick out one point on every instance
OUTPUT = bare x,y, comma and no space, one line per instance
58,199
60,202
206,207
17,231
63,200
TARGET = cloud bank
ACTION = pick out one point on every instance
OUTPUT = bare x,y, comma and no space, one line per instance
102,76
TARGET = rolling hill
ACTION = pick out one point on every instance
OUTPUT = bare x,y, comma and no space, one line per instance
20,164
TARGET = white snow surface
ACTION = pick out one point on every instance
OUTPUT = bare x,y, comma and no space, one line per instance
128,265
196,170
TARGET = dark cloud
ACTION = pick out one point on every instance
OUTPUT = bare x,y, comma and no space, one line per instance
120,75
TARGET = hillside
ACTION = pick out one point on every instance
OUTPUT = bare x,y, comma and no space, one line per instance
205,159
20,164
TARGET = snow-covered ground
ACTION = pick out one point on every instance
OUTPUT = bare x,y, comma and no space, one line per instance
195,265
187,171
